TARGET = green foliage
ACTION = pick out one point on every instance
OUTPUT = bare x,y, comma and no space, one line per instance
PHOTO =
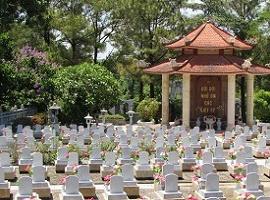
114,119
175,108
7,84
6,46
49,156
14,152
148,147
107,146
85,88
262,105
148,109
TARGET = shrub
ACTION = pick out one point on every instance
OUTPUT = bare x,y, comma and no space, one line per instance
262,105
148,109
114,119
85,88
39,118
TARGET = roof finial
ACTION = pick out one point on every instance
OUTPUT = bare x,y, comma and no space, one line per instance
247,63
232,40
186,39
142,64
173,63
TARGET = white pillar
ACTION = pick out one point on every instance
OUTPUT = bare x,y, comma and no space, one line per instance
250,99
165,98
231,102
186,100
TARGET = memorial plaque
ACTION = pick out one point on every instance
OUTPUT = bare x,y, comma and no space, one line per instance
208,96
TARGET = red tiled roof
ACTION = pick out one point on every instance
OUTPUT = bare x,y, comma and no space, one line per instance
254,69
209,36
207,64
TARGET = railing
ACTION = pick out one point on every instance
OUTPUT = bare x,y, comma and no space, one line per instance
7,117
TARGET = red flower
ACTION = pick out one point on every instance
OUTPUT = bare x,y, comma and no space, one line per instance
107,179
62,180
191,197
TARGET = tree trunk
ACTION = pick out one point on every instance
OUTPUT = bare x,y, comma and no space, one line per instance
95,54
152,90
243,98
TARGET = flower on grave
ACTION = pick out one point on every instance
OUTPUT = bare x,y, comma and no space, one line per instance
118,150
164,155
181,151
254,141
232,154
194,178
192,197
84,154
196,169
107,179
157,168
246,196
74,167
134,155
158,178
238,177
199,155
239,168
103,153
266,153
92,198
117,169
62,180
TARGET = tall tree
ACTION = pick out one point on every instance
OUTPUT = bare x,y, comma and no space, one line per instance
144,24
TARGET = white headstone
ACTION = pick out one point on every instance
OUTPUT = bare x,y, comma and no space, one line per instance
173,158
62,153
127,172
212,182
72,185
167,169
116,184
252,182
109,158
25,185
171,183
73,159
207,157
4,159
83,173
37,159
38,173
143,158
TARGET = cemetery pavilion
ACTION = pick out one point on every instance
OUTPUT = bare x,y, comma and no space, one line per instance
209,66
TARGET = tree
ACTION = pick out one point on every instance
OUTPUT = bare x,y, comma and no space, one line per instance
145,24
85,88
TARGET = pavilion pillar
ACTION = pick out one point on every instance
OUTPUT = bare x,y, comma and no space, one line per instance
186,100
165,98
250,99
231,102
